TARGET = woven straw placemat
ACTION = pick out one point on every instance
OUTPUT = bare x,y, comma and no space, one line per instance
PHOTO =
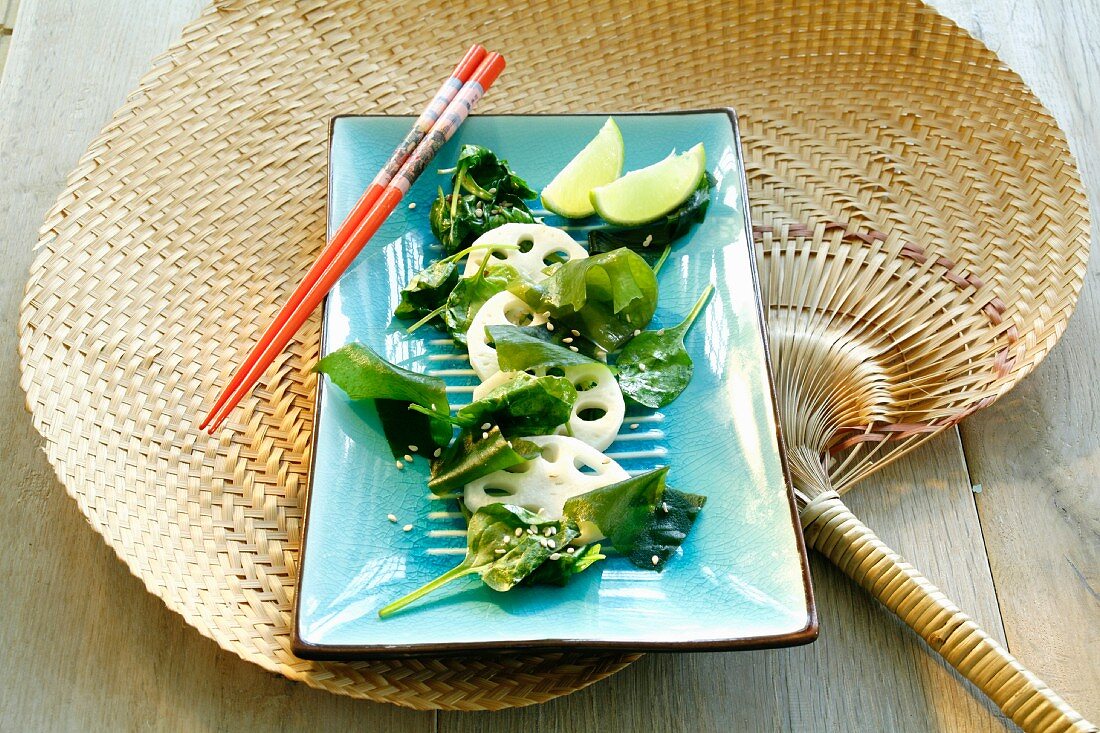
203,200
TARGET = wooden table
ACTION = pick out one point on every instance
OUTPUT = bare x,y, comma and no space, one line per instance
86,648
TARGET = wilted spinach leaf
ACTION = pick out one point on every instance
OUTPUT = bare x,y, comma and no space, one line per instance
427,290
651,238
606,297
485,194
426,293
494,552
471,293
457,221
472,456
479,171
643,518
532,347
654,367
525,405
569,564
364,375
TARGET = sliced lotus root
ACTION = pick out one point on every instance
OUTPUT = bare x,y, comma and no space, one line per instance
567,467
539,247
599,410
500,310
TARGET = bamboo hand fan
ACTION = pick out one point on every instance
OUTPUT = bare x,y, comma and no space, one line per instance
878,344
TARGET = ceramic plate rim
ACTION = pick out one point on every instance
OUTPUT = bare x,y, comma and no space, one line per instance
345,652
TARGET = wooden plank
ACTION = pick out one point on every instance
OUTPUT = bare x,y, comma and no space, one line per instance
85,647
866,672
5,44
8,10
146,669
1037,451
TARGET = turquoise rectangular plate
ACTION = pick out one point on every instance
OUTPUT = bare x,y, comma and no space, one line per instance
739,581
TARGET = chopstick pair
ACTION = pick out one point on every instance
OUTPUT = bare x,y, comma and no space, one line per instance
469,81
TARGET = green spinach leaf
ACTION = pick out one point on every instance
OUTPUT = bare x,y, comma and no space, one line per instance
568,565
364,375
485,194
606,297
644,519
425,295
525,405
473,455
471,293
654,367
496,554
427,290
479,171
532,347
649,239
458,220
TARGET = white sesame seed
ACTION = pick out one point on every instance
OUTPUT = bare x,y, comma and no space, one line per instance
507,539
412,205
399,465
485,435
634,426
407,528
413,449
573,348
655,559
648,241
605,461
519,531
408,458
555,556
551,544
392,518
547,532
575,332
664,507
499,551
641,366
567,340
533,529
486,426
637,332
553,531
549,326
570,550
438,453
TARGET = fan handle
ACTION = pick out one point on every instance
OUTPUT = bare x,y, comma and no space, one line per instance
832,529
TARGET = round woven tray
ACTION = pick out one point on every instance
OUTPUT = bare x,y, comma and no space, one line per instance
203,200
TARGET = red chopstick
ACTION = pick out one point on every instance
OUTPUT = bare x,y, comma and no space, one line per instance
271,346
423,125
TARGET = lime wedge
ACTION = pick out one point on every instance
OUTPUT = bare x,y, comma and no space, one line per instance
649,193
600,162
